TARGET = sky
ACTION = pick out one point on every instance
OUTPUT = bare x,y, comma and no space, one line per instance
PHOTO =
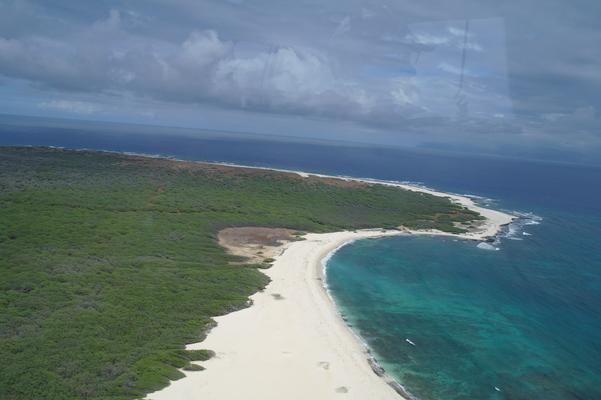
518,78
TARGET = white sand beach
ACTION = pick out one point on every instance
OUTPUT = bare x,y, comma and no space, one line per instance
292,343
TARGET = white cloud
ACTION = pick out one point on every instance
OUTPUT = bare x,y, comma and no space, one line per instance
201,49
366,13
426,39
457,32
201,68
404,92
451,69
286,77
471,46
343,26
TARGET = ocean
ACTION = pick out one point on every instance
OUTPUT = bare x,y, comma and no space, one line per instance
447,319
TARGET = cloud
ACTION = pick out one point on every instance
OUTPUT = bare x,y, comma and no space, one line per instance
202,49
70,106
471,46
366,13
456,69
343,26
455,39
202,68
426,39
446,67
404,92
457,32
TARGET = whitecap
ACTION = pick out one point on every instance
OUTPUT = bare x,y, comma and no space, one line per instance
515,230
487,246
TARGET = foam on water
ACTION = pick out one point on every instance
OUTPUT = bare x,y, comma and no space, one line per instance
487,246
515,230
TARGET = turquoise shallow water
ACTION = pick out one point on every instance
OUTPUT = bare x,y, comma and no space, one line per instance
525,319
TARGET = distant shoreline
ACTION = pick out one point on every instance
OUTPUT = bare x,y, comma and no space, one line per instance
494,220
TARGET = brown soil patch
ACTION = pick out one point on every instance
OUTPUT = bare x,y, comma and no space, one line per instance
340,182
257,244
236,171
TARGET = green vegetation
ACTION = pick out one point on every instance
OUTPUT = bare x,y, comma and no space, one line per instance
109,264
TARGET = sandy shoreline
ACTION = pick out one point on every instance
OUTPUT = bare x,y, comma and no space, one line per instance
292,343
495,220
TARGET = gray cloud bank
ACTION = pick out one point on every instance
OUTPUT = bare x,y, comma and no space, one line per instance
501,72
105,57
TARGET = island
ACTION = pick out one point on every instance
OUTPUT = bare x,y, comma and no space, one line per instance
123,274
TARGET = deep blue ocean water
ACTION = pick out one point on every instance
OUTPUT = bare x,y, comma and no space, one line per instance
525,319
